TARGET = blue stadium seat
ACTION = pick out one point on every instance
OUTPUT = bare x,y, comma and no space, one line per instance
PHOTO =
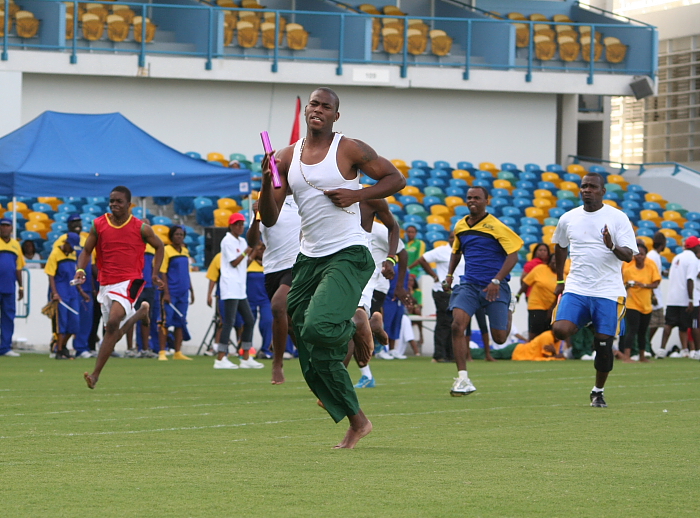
93,209
440,173
533,222
415,182
396,210
87,219
454,220
255,185
633,196
466,166
499,203
501,193
162,200
194,154
547,185
429,201
512,212
162,220
419,225
437,182
687,232
61,217
632,215
557,212
258,158
494,211
528,185
419,163
566,204
529,229
571,177
633,187
58,226
205,215
459,182
530,239
694,225
507,166
670,224
68,208
530,176
412,218
407,200
483,175
482,182
610,195
555,168
598,169
645,223
366,180
522,203
202,201
138,213
651,205
672,243
631,205
511,222
97,200
461,211
30,234
442,164
183,205
434,227
42,207
533,168
417,173
522,193
431,237
692,216
456,191
190,231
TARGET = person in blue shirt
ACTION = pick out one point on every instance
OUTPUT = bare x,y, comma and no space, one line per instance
60,268
175,272
11,264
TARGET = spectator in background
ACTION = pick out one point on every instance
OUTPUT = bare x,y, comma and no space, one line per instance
11,264
540,255
443,315
657,312
30,254
175,273
680,309
414,248
641,277
147,339
258,300
540,283
234,164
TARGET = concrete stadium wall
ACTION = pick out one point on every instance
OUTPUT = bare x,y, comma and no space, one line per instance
227,117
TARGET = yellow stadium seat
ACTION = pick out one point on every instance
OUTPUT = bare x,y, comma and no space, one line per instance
503,184
221,217
454,201
547,239
576,169
543,193
411,190
439,243
439,220
401,166
669,232
649,242
619,180
21,208
672,215
536,212
652,196
551,177
391,199
441,210
461,174
612,203
37,226
488,166
668,254
543,203
50,200
549,229
228,204
569,186
650,215
38,216
161,231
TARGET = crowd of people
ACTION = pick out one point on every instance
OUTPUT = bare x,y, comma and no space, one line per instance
323,271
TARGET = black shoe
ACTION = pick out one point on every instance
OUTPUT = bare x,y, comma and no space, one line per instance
597,400
63,354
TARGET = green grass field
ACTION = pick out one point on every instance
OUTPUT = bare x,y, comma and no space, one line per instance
181,439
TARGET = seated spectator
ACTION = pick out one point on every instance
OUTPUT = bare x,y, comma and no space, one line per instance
30,254
543,348
540,284
540,255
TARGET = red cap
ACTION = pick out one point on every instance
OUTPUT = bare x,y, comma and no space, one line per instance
235,218
692,242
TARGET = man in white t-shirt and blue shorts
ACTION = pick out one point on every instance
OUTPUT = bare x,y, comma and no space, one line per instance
598,238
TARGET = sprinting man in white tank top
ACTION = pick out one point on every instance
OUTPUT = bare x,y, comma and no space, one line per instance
334,264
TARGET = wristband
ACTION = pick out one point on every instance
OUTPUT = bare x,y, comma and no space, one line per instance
561,282
391,259
244,254
449,275
79,270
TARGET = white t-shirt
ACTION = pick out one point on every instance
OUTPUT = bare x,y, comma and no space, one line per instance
683,267
441,257
232,282
654,256
282,239
379,247
595,270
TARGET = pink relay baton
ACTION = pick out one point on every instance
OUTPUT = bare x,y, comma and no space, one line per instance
267,146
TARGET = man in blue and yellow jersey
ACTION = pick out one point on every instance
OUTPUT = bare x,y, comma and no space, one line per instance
490,251
11,264
147,340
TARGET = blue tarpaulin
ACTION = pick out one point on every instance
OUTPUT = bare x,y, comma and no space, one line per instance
66,154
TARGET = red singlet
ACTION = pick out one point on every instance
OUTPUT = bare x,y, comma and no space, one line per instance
120,250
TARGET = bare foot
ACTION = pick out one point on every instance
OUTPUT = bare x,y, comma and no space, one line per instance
277,375
376,324
353,436
90,380
320,403
490,358
643,360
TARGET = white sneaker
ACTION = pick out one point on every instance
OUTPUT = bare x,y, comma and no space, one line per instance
397,355
462,387
224,363
588,357
250,363
85,355
384,355
685,353
675,355
11,354
693,355
635,358
661,353
287,356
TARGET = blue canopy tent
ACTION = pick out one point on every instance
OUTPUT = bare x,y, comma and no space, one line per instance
66,154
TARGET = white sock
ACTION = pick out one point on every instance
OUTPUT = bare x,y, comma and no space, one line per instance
366,371
462,375
596,389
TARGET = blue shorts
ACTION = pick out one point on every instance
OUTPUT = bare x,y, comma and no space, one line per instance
606,315
172,319
470,297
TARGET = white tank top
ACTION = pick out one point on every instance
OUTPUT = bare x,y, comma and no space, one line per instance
325,228
282,239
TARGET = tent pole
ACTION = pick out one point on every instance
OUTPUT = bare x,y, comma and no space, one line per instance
14,217
143,207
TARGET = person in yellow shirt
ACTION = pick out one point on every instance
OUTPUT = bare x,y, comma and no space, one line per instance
541,281
542,348
641,277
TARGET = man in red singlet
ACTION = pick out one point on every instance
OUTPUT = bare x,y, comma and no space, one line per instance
120,242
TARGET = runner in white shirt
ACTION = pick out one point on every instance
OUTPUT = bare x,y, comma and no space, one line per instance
681,310
599,238
443,316
281,250
232,285
657,312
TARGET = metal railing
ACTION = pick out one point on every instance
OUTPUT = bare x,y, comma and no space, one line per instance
623,167
345,38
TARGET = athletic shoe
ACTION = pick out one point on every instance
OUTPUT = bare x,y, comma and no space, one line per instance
597,400
365,382
179,356
675,355
263,355
224,363
52,355
170,352
11,354
63,354
462,387
685,353
115,354
131,353
635,358
288,356
162,357
210,352
588,357
250,363
147,353
397,355
84,355
384,355
694,355
661,353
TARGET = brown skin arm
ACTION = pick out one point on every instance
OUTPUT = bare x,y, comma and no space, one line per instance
400,292
20,295
454,262
560,254
380,208
690,286
253,234
271,200
86,256
54,291
623,253
210,290
357,156
150,237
